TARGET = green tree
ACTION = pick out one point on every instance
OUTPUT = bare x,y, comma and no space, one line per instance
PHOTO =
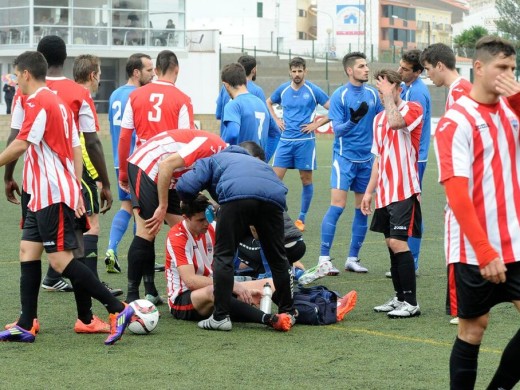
465,42
507,24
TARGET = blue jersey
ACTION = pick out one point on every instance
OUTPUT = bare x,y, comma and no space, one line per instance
223,99
418,92
116,108
252,117
353,140
299,107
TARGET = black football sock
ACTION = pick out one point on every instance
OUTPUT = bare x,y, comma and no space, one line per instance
83,301
507,374
81,277
30,279
406,271
149,271
137,253
91,253
52,273
395,276
463,365
242,312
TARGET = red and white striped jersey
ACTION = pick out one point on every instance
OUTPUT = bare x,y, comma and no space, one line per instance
49,174
184,249
398,152
482,143
79,101
190,144
460,87
157,107
17,112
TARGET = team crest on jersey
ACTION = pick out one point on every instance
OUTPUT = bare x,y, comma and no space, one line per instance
306,95
514,123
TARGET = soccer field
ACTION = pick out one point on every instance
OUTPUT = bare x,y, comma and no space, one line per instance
365,351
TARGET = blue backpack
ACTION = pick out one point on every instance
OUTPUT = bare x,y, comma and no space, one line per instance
316,305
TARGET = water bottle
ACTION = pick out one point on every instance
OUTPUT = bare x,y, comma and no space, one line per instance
265,303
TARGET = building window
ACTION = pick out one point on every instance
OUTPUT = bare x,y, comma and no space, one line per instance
302,13
302,35
259,9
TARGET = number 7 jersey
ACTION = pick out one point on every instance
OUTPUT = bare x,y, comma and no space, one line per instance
156,107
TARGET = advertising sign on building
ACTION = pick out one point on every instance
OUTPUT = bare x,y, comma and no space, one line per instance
350,19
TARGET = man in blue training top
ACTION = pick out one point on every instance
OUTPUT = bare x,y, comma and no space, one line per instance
297,146
414,90
246,117
139,69
353,107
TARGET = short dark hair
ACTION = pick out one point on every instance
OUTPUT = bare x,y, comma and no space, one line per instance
413,58
253,149
234,74
84,65
53,49
490,46
135,61
33,62
297,62
350,59
248,62
195,206
166,60
392,76
439,52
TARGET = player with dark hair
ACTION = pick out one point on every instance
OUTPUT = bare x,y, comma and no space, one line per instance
246,117
139,71
249,194
477,147
397,133
52,167
297,146
439,62
353,107
414,90
153,169
189,259
150,110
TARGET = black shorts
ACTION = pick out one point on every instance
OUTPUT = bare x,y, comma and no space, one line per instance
24,201
53,226
144,194
90,193
471,296
183,308
399,220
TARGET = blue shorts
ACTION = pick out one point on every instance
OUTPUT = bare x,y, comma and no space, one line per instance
122,194
297,154
350,176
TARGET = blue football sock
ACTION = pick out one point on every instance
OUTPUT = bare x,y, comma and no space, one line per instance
307,192
359,231
118,229
328,229
415,247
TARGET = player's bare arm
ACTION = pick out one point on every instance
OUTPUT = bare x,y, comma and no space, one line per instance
386,89
279,121
366,202
11,186
95,152
13,151
164,177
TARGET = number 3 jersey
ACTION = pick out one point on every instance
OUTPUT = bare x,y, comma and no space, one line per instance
156,107
49,161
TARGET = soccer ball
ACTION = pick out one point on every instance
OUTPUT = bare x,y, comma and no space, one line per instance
145,318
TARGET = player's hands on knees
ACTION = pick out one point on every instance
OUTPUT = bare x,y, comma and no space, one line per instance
507,85
80,209
11,187
495,271
366,204
154,224
106,200
242,293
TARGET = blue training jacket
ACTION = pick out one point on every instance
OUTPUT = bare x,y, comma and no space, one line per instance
233,174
